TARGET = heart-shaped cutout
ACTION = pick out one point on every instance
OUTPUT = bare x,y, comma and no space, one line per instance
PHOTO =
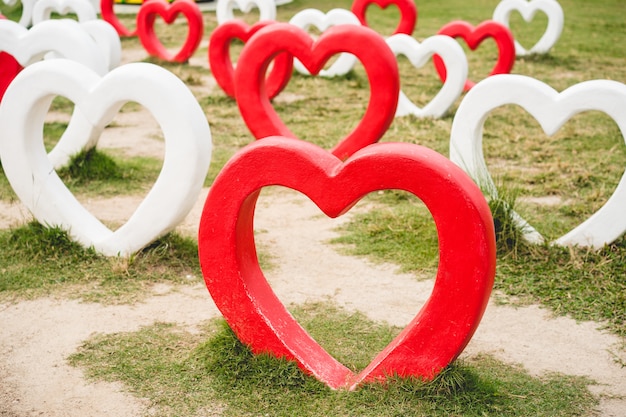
474,36
224,9
528,10
551,109
83,9
446,322
407,8
27,167
27,11
306,18
107,12
368,46
222,67
418,54
150,9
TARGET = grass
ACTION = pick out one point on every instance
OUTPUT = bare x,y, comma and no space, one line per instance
212,372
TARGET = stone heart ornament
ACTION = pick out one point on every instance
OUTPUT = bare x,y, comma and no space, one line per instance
551,109
528,10
83,9
452,55
445,323
150,9
408,13
474,36
312,17
222,67
224,9
27,167
368,46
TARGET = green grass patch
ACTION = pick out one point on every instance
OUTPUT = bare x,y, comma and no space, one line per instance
184,374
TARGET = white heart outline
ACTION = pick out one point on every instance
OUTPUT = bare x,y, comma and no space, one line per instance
224,9
418,54
27,167
43,9
306,18
528,9
552,110
27,11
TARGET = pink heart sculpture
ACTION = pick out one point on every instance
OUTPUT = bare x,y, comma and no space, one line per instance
408,13
474,36
448,319
222,66
146,16
108,14
368,46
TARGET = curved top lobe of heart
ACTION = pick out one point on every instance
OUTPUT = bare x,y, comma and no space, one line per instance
83,9
551,110
222,66
528,9
27,167
145,27
446,322
408,13
108,15
369,47
474,36
224,9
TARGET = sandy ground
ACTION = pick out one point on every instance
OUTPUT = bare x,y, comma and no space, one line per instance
37,336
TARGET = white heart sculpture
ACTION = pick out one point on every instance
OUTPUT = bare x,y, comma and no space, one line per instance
224,9
83,9
528,9
322,21
28,169
551,110
418,54
107,39
27,11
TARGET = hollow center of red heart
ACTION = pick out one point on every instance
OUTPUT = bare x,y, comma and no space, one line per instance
383,20
482,59
310,270
172,35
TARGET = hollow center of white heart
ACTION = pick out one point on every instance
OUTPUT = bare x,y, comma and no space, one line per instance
528,33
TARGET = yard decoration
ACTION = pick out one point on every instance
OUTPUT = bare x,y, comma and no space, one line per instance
222,67
146,16
224,9
528,9
446,322
408,13
418,54
107,40
474,36
27,167
312,17
27,11
83,9
108,14
551,109
368,46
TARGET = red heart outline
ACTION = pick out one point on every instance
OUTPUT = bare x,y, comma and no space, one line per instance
368,46
145,27
446,322
408,13
474,36
221,64
108,15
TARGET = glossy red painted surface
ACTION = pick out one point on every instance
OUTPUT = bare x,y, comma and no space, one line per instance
9,68
146,16
408,12
108,15
446,322
474,36
368,46
221,64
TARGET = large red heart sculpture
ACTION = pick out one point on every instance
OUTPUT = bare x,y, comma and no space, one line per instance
145,27
446,322
108,15
408,12
474,36
222,66
368,46
9,68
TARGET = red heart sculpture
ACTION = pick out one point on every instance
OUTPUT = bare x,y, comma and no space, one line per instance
408,13
108,15
473,37
368,46
9,68
145,27
446,322
221,64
